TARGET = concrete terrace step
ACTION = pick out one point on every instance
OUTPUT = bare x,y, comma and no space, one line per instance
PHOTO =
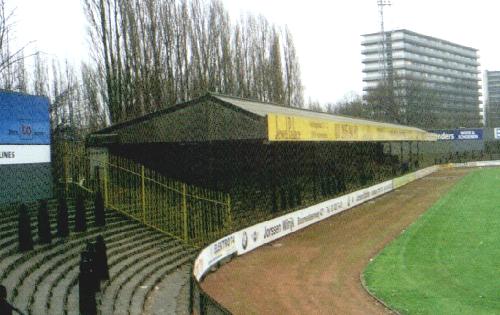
10,224
164,285
113,260
9,244
9,228
170,293
73,303
184,296
12,215
9,212
72,293
118,266
60,290
44,290
134,277
57,267
57,302
20,265
120,270
124,269
29,279
45,280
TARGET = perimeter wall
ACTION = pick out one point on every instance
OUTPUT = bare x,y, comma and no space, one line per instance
248,239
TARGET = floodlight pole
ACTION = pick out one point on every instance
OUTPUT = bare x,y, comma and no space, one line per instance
383,52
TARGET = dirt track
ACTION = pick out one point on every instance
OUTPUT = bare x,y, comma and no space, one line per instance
317,270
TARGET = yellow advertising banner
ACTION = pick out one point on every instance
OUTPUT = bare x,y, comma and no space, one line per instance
296,128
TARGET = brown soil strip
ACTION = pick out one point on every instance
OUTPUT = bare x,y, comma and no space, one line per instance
317,270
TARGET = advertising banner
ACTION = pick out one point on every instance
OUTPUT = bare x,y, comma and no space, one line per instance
476,164
248,239
214,253
459,134
271,230
24,154
25,167
487,163
426,171
296,128
262,233
497,133
24,119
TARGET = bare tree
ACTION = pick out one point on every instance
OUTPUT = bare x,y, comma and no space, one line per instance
294,88
351,105
315,106
7,57
40,77
91,97
404,101
275,71
158,52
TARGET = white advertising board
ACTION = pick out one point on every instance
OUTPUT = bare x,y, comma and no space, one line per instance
497,133
426,171
214,253
476,164
24,154
248,239
487,163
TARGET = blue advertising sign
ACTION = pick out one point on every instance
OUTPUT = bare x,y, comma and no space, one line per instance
25,160
24,119
459,134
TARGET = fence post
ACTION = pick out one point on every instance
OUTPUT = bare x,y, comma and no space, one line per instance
202,303
143,195
65,168
191,291
105,183
228,213
184,212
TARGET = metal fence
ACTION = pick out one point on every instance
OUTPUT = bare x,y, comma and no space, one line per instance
192,214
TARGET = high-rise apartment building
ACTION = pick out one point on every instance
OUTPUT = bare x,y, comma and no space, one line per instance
436,80
492,98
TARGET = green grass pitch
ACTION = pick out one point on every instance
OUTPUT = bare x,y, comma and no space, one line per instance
448,261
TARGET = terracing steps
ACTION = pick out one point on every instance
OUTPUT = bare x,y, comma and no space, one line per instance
46,278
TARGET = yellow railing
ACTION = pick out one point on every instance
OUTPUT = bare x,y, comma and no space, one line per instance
192,214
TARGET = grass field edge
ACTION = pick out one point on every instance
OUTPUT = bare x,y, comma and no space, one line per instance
373,259
376,298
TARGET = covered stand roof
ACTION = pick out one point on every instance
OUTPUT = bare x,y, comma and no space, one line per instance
216,117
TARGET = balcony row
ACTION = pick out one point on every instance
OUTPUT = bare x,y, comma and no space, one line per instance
422,52
460,89
421,41
401,56
402,68
426,75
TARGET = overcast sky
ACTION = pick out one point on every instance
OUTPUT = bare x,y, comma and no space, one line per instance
327,33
